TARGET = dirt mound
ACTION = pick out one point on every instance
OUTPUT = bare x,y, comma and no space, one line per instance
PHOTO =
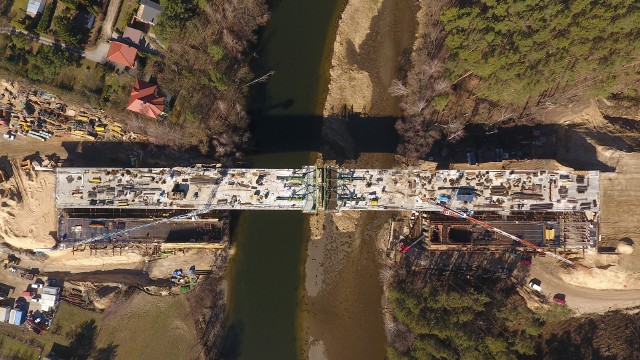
624,248
27,216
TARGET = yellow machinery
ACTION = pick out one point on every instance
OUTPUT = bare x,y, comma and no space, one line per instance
25,165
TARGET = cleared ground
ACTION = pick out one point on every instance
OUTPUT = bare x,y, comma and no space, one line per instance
140,327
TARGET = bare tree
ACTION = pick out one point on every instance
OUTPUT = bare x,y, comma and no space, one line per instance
397,89
441,86
387,274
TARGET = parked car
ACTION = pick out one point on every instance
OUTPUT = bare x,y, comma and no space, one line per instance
560,298
535,284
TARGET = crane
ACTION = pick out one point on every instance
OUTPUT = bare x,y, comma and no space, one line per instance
463,215
203,210
406,248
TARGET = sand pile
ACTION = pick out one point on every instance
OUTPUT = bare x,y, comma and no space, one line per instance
345,75
624,248
613,278
66,260
27,211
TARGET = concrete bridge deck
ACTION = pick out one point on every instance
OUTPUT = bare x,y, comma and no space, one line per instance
312,189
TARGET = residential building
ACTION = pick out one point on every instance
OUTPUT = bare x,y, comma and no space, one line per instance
131,35
146,100
35,7
122,54
149,12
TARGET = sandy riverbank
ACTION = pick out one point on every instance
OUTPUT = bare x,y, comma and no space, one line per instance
372,39
342,303
342,313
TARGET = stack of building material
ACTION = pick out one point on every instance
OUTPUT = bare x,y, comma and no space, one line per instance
49,298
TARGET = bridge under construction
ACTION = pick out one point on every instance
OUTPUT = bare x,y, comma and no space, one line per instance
311,189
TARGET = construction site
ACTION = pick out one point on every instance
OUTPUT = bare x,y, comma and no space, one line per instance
153,207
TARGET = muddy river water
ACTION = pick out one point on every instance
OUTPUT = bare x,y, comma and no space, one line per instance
266,274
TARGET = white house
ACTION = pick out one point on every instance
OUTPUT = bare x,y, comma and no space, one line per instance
35,7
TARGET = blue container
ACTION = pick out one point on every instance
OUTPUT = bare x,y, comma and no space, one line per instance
20,314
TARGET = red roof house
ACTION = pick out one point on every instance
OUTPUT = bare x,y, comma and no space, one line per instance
145,99
122,54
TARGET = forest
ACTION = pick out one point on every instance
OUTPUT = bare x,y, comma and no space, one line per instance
461,319
467,318
487,61
206,67
43,65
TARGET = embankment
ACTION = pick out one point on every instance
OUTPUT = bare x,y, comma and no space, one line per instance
373,41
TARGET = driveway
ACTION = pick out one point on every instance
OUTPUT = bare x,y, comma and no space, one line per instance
110,19
582,299
97,53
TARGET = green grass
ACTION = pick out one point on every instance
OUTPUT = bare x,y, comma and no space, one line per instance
16,349
127,9
18,9
67,319
142,327
151,327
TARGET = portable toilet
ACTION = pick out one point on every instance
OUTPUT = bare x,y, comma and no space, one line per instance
19,319
12,316
4,313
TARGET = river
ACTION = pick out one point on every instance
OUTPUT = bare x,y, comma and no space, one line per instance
266,273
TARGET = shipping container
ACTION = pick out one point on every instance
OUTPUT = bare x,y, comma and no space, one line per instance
12,316
51,290
4,313
19,319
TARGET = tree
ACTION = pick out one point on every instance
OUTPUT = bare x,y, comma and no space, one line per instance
48,63
68,32
175,15
45,20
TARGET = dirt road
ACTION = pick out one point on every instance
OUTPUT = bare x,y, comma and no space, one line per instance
581,299
110,19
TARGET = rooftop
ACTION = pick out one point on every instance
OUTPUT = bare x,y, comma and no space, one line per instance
122,54
132,35
35,7
149,12
145,100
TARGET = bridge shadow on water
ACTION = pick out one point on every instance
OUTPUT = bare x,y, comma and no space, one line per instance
345,138
341,139
335,137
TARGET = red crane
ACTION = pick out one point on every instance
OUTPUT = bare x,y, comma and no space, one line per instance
463,215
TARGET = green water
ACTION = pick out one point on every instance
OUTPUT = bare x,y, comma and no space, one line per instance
265,276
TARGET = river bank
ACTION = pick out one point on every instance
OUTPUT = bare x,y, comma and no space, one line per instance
343,294
342,305
372,47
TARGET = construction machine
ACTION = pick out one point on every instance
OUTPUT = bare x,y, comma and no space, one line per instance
11,260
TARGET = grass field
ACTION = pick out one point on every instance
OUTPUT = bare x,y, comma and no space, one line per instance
141,327
127,8
16,349
18,9
150,327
